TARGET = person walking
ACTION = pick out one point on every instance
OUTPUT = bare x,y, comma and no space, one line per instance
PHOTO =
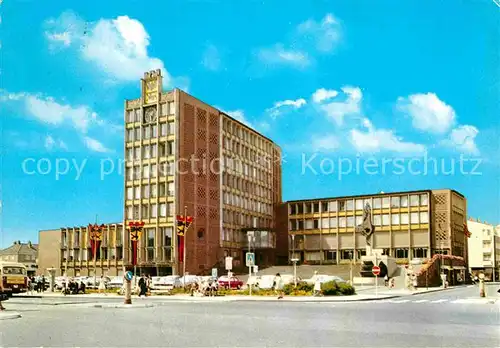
102,286
317,287
278,286
142,286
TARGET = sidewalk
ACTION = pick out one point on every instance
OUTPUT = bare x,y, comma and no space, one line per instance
406,292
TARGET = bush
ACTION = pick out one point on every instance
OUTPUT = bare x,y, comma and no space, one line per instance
302,287
330,288
346,289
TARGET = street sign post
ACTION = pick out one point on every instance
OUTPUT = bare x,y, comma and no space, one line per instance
250,259
255,269
128,276
376,272
229,263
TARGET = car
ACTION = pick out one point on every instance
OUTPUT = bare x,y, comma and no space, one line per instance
189,280
226,282
115,283
166,283
324,278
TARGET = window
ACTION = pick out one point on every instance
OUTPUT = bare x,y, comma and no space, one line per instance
145,211
130,116
151,254
386,202
333,222
154,169
137,152
350,205
377,203
171,108
342,221
359,204
171,128
332,206
154,131
309,224
404,218
147,152
385,220
170,188
138,115
167,235
154,210
420,253
130,154
164,109
395,202
163,129
359,220
154,150
404,201
146,132
377,220
315,224
130,214
130,193
414,218
424,200
146,171
324,223
153,191
137,133
130,135
414,201
395,219
350,221
424,217
151,237
163,210
137,190
402,253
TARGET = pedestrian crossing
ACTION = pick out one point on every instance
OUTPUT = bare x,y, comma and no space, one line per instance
441,301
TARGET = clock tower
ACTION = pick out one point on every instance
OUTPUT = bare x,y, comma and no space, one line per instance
151,87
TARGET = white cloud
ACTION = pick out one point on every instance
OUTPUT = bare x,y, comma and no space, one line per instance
50,143
324,94
462,138
329,142
352,105
374,141
326,33
428,112
295,104
119,47
95,145
211,58
279,55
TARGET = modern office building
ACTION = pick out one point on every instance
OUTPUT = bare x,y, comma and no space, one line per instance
484,249
408,225
68,250
183,155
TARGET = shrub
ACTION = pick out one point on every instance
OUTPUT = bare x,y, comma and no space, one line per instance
302,287
346,289
330,288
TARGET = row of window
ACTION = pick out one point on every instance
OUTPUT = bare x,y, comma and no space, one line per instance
149,211
246,135
86,254
166,109
349,254
161,149
164,169
240,150
244,220
76,238
237,165
161,189
150,131
351,221
247,203
263,239
244,185
359,204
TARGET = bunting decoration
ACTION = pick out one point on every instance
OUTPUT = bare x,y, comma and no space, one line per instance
135,235
95,236
183,223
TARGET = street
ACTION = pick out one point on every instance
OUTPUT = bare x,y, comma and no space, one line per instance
414,321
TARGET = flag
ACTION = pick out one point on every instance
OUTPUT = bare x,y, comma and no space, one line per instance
183,223
95,236
135,236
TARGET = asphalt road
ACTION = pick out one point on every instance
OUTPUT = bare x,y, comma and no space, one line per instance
262,324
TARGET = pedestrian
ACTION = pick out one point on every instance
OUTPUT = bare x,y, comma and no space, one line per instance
317,287
2,295
278,286
386,280
142,286
102,286
148,285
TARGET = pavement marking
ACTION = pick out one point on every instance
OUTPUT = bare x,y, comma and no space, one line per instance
420,301
439,301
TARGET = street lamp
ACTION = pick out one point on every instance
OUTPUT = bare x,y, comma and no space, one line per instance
350,269
294,260
250,236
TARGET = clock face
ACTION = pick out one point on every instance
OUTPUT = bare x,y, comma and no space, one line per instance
150,115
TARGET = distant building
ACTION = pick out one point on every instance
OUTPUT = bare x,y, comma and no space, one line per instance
68,250
26,253
484,249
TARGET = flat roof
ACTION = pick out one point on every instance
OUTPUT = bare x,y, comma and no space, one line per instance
368,195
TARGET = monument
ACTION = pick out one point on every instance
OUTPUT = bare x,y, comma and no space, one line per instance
373,257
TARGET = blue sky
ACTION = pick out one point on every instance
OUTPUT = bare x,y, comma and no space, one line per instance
331,82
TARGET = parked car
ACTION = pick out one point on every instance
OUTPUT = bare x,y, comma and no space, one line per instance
324,278
166,283
267,281
233,282
189,279
115,283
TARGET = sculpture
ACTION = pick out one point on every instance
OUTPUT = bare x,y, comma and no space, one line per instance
366,227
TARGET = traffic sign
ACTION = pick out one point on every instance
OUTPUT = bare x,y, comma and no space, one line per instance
250,259
214,272
255,269
129,275
376,270
229,263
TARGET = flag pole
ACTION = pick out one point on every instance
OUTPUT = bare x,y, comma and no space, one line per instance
184,245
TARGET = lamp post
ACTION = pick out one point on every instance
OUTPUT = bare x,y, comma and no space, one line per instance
250,237
294,260
350,269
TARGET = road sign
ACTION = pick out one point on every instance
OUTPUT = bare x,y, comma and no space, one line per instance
255,269
229,263
214,272
250,259
129,275
376,270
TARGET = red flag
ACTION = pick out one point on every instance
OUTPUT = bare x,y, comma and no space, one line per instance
134,253
180,244
183,223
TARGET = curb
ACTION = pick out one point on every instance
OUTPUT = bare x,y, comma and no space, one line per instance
9,316
433,290
122,306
